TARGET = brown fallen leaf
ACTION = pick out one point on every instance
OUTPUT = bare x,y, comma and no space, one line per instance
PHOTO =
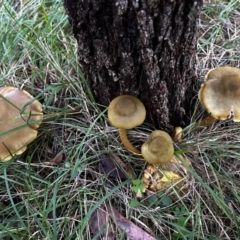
161,177
114,167
155,179
56,161
126,166
132,230
59,159
100,222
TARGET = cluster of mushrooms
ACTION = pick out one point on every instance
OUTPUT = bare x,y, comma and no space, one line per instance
219,95
21,115
127,112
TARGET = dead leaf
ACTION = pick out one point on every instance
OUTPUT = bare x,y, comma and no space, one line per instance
127,167
113,168
156,179
132,230
161,177
99,222
57,161
177,165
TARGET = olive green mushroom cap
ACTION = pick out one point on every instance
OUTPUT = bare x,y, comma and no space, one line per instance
126,112
20,116
158,149
220,93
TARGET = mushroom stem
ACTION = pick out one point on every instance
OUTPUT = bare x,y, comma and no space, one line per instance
126,142
206,121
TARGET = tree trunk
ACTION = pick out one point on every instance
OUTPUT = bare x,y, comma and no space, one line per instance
145,48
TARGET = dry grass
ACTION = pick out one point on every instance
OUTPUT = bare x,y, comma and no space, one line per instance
219,38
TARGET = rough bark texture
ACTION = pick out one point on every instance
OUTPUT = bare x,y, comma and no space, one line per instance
145,48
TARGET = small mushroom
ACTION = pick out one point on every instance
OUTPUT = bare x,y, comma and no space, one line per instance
158,149
126,112
177,134
20,116
220,94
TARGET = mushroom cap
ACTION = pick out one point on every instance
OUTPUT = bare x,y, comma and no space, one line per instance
219,72
220,93
126,112
20,116
158,149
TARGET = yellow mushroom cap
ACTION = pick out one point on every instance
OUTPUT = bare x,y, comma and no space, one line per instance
220,94
158,149
219,72
126,112
19,110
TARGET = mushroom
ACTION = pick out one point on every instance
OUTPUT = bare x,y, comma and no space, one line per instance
126,112
177,134
158,149
20,116
220,94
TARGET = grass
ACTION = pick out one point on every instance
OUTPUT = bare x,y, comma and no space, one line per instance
51,190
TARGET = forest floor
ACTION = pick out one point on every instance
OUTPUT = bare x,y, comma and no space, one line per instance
60,187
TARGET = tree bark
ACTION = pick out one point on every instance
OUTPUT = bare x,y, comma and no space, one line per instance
145,48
